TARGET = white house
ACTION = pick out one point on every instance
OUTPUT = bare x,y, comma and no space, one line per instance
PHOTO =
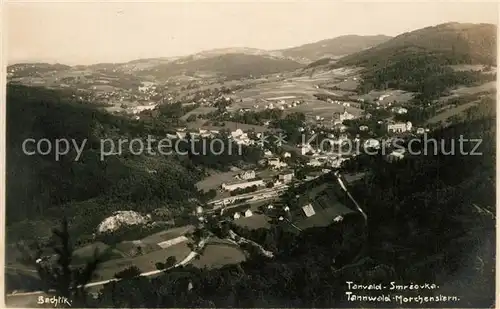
399,127
286,178
399,110
248,213
363,128
237,133
344,116
236,215
247,175
420,130
287,155
338,219
308,210
268,153
286,208
382,97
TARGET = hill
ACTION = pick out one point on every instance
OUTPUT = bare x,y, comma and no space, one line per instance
339,46
230,65
419,61
454,43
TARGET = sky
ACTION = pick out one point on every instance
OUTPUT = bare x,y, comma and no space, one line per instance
93,32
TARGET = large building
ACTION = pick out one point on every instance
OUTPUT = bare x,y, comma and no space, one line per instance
242,185
399,127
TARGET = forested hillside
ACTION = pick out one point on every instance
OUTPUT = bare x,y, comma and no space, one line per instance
339,46
228,65
40,188
418,61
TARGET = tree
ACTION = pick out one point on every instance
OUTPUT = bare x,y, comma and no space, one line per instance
128,273
171,261
66,280
160,266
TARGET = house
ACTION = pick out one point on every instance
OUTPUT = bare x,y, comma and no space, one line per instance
305,148
236,133
236,215
248,213
399,127
397,154
270,206
286,208
344,116
399,110
308,210
363,128
382,97
287,155
420,130
276,163
287,177
247,175
314,162
242,185
268,153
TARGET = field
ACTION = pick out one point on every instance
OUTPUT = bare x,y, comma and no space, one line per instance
324,217
214,181
202,110
471,90
390,96
325,109
219,254
145,262
301,88
443,116
254,222
168,234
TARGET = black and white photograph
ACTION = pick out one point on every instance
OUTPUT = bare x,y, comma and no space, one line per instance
249,154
